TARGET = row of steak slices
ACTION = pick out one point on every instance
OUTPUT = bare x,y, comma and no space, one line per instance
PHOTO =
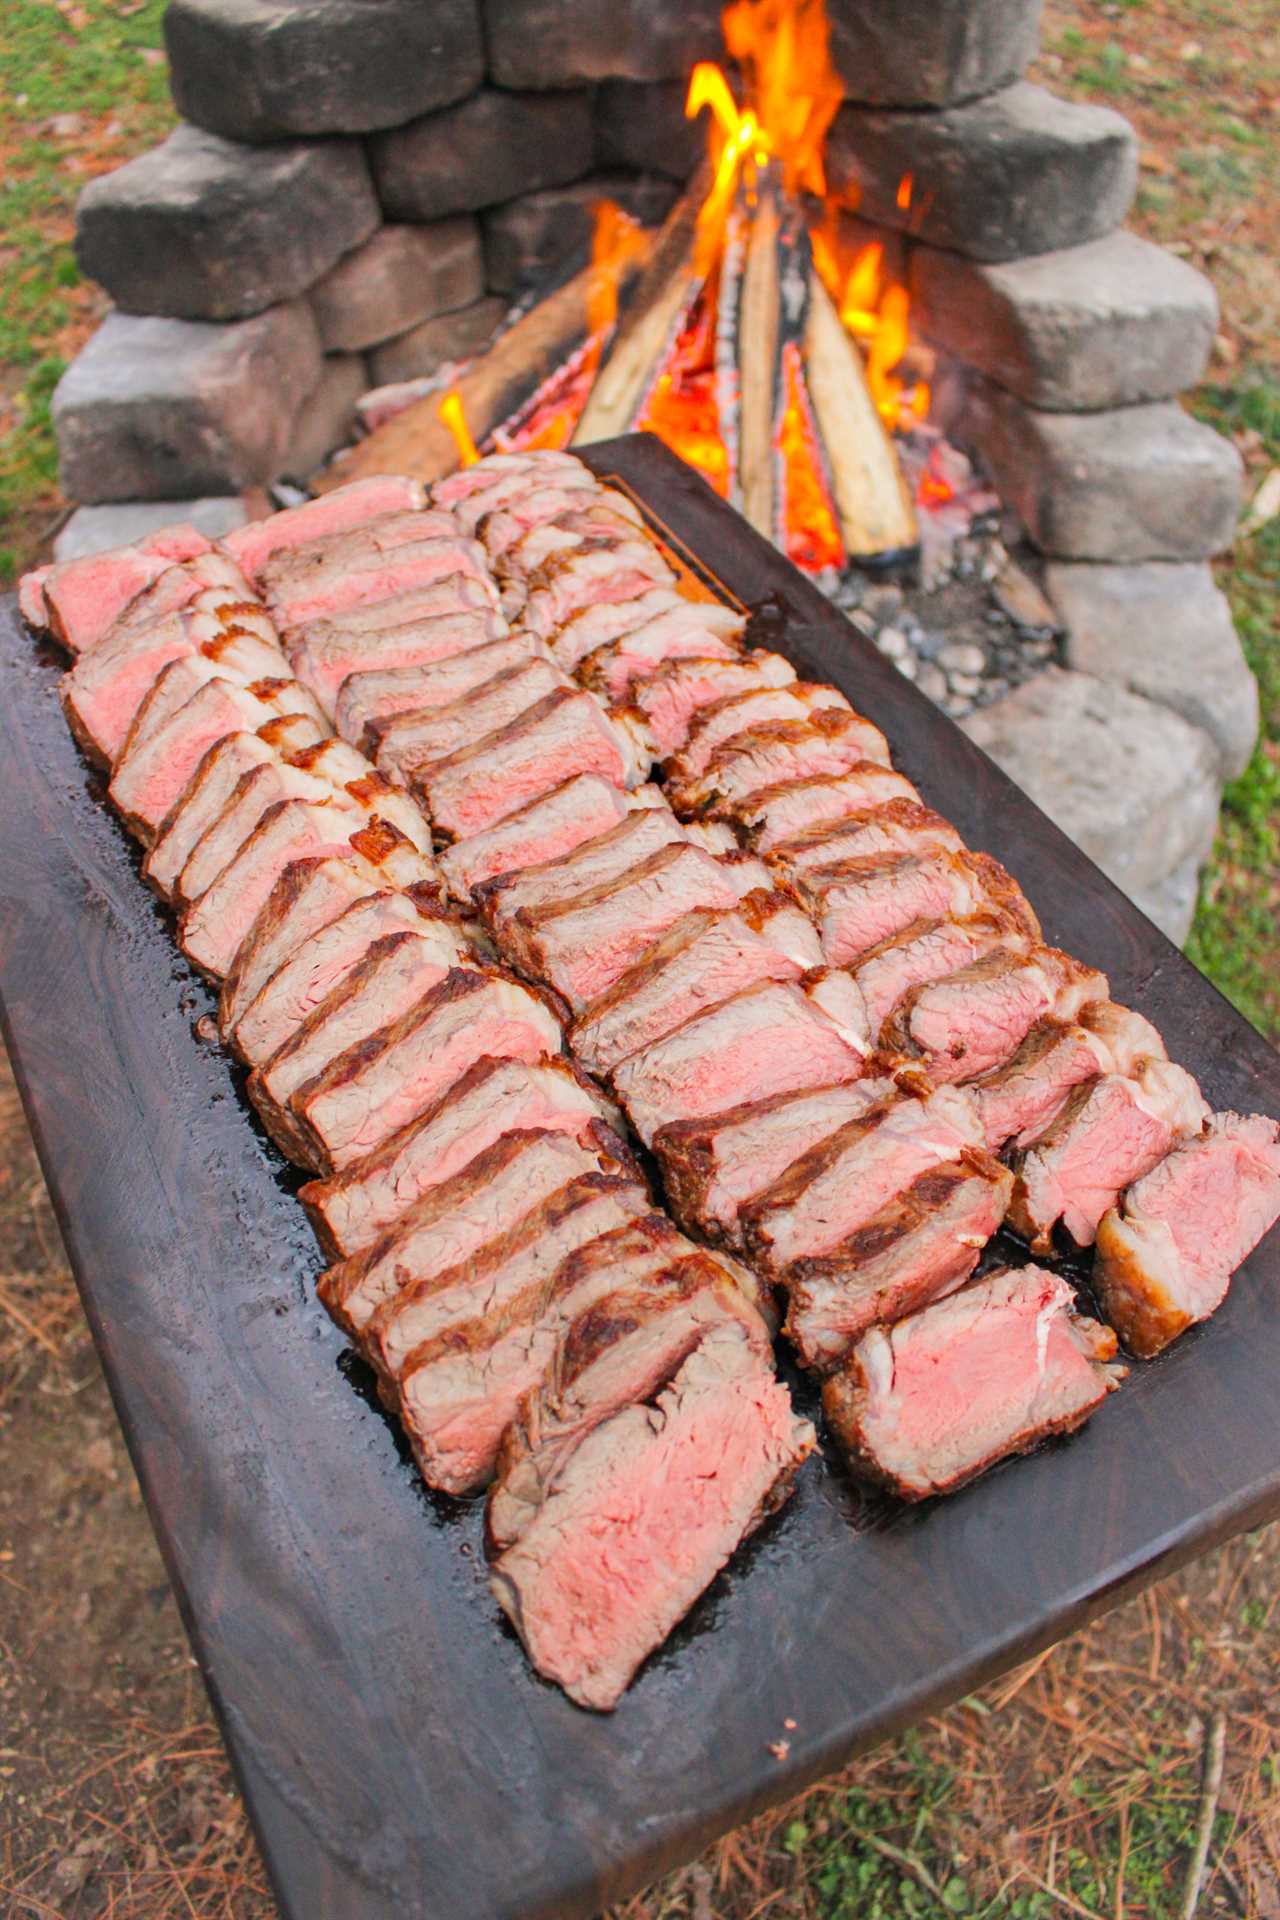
789,1076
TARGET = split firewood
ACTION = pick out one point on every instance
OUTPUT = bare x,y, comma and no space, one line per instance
873,501
758,347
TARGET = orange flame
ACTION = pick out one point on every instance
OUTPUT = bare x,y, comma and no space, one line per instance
451,412
616,241
905,187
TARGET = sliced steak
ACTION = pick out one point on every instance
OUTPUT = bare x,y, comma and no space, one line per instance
975,1020
779,813
369,790
1107,1135
714,836
564,734
900,826
591,863
830,742
712,1168
1167,1252
839,1184
408,743
1018,1101
495,1097
325,653
211,786
262,787
327,592
380,1085
335,512
924,1406
211,931
316,563
595,626
327,957
82,599
241,653
926,950
768,1040
705,958
367,698
776,917
922,1245
859,904
566,475
1127,1036
591,578
669,699
720,724
579,810
635,1527
694,630
501,528
584,946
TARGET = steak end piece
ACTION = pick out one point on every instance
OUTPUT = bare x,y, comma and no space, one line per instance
645,1512
928,1404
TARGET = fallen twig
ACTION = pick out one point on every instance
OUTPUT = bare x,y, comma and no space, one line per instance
1215,1752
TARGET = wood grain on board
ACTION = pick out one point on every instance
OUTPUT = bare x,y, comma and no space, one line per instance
397,1755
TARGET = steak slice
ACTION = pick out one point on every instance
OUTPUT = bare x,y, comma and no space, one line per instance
335,512
780,812
767,1040
211,931
1107,1135
626,1323
380,1085
594,626
1127,1036
562,735
859,904
669,699
926,950
590,577
828,743
325,653
705,958
495,1097
976,1019
351,777
326,592
839,1184
327,957
83,598
899,826
579,810
636,1525
713,1168
367,698
566,474
720,724
409,742
240,654
1167,1251
606,857
500,528
583,946
775,916
391,977
316,563
924,1406
262,787
694,630
922,1245
1018,1101
211,786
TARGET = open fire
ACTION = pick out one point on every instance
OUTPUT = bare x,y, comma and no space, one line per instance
759,345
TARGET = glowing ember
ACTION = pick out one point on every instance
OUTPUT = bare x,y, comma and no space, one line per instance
809,522
616,241
451,412
682,408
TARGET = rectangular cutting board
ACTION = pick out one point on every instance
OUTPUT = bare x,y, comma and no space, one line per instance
396,1753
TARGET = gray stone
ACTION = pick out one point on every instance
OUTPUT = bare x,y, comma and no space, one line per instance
1165,631
436,343
559,43
1171,902
202,228
1139,483
1133,784
525,240
644,126
401,276
1102,325
961,658
169,409
95,529
327,417
1018,596
931,53
1019,172
259,69
485,150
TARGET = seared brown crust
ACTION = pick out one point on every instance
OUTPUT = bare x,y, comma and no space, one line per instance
700,795
908,816
492,896
750,814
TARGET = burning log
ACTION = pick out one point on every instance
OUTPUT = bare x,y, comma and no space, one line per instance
758,350
872,499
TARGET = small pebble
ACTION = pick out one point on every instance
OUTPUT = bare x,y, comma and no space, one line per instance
882,602
892,643
961,656
931,681
965,685
908,666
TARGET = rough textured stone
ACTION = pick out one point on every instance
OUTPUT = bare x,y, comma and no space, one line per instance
327,417
203,228
526,239
1103,325
559,43
171,409
401,276
1139,483
1019,172
257,69
931,53
485,150
433,344
645,127
1133,784
95,529
1171,902
1165,631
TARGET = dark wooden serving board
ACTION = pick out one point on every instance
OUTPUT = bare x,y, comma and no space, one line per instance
397,1755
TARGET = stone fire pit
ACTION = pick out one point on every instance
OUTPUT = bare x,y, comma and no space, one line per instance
360,188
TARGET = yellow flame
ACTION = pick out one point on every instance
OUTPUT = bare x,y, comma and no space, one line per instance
905,187
451,412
